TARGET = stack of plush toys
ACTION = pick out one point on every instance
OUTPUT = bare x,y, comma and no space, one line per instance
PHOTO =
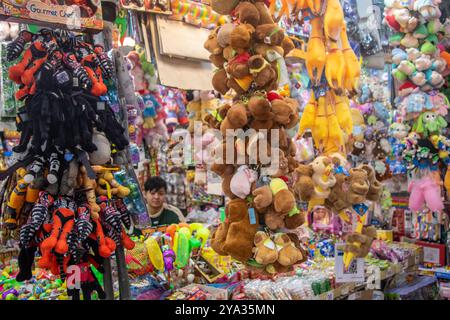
61,191
371,120
419,136
249,54
64,117
334,70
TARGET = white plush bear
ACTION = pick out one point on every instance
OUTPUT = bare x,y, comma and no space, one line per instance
4,30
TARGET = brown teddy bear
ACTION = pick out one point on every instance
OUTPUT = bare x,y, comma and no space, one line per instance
294,118
364,240
358,185
263,197
218,239
263,49
229,53
265,250
273,219
270,34
241,233
236,118
246,12
260,108
213,120
283,111
224,35
304,185
374,192
220,81
212,43
283,198
262,71
288,255
241,37
338,198
217,60
287,45
238,67
294,221
264,14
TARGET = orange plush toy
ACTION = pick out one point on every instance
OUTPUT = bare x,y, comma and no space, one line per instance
33,58
63,221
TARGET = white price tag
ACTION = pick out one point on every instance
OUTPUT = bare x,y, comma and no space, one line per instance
417,258
330,295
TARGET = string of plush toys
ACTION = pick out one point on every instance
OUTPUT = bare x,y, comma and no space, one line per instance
61,191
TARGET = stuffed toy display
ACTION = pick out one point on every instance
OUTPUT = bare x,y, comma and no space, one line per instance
63,230
249,55
61,191
334,70
420,147
61,81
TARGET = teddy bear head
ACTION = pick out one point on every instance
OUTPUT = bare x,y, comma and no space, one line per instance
265,249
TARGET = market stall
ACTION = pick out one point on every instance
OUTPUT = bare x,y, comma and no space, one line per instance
303,144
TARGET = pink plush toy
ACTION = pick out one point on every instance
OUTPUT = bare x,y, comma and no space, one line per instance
205,150
241,183
425,190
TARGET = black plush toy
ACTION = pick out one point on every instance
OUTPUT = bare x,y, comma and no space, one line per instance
62,102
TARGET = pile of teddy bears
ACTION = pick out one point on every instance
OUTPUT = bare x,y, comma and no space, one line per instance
249,54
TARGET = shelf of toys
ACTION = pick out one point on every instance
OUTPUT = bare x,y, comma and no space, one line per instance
420,122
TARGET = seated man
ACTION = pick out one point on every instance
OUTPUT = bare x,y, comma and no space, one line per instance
161,213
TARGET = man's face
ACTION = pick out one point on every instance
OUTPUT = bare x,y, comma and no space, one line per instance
156,198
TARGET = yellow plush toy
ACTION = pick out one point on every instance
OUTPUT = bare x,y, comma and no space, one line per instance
107,185
342,105
333,20
309,116
316,56
352,65
335,67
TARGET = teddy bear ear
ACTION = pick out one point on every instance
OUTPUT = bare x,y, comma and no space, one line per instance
260,237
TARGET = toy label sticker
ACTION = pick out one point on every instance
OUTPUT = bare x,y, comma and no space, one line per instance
355,272
431,255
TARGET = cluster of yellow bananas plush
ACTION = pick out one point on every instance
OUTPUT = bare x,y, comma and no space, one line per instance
330,121
328,51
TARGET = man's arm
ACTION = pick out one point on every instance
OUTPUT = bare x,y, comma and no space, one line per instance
177,212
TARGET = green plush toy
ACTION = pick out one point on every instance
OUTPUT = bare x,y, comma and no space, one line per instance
429,123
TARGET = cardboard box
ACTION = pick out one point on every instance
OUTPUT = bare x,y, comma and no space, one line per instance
47,14
367,295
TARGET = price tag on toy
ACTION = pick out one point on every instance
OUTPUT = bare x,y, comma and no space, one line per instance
330,295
